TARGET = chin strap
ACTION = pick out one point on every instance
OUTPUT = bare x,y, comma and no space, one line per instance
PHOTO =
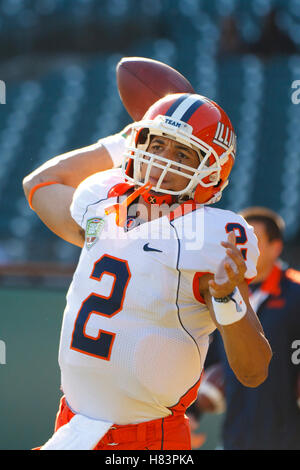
158,200
121,209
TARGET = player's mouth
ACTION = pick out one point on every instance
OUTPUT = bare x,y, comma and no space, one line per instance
153,180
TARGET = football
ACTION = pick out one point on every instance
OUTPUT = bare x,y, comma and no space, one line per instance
141,82
211,394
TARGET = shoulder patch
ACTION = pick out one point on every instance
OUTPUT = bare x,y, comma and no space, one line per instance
93,229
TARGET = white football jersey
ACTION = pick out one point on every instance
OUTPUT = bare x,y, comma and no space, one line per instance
115,145
135,329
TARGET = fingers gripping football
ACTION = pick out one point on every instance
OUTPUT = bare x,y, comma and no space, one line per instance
231,271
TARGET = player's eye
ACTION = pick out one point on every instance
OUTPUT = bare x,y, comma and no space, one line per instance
155,148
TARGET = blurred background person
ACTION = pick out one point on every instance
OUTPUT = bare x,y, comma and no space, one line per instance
266,417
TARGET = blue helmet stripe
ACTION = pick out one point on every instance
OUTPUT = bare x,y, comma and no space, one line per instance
191,110
175,105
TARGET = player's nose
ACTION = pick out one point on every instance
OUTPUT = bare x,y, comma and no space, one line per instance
166,153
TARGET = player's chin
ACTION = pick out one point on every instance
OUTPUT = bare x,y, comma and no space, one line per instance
166,187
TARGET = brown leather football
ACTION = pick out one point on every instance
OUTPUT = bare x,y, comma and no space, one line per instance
141,82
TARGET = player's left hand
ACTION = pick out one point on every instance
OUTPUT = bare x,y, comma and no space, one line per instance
231,271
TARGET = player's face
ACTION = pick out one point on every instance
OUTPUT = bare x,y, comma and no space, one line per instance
176,152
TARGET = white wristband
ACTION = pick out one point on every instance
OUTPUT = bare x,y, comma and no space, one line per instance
231,310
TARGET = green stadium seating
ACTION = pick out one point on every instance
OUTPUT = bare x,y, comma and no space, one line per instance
254,93
75,105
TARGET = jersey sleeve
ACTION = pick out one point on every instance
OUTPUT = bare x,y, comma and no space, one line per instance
115,145
91,191
246,241
212,226
253,254
217,228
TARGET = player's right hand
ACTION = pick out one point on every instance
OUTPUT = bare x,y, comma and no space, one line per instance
231,271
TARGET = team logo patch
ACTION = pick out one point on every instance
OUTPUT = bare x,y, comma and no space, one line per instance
93,229
225,137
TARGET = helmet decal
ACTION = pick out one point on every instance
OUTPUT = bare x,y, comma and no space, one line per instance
225,137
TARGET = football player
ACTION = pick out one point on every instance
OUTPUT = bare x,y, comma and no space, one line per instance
159,270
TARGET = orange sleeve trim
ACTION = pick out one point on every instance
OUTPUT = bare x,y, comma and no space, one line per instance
196,291
37,186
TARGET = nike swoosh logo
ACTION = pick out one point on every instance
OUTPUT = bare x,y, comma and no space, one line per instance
148,248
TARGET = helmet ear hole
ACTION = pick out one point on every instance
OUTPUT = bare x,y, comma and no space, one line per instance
142,137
